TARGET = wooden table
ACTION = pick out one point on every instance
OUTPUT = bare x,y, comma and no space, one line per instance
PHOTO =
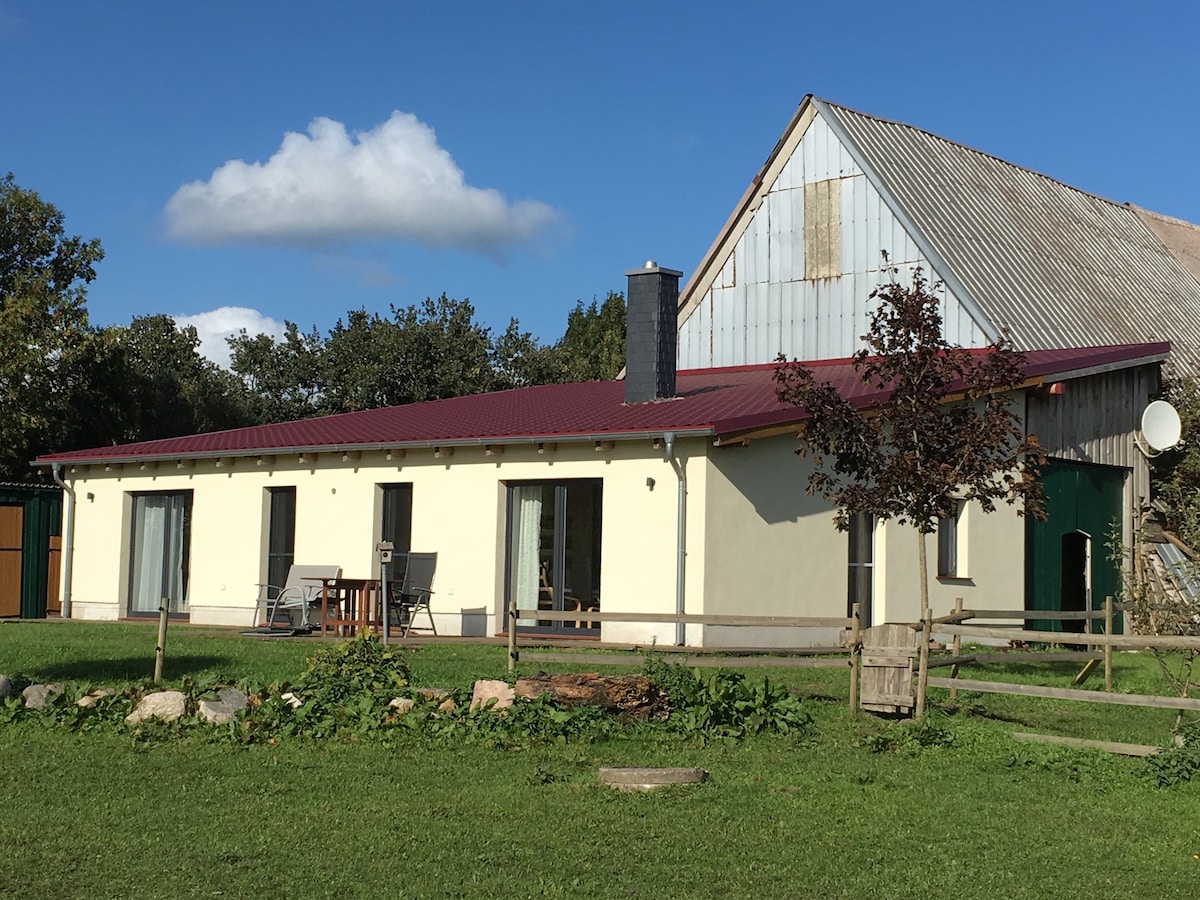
348,604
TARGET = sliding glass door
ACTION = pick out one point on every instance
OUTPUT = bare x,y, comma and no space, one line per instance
158,564
554,551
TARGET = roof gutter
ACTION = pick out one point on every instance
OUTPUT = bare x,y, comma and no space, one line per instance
68,557
705,431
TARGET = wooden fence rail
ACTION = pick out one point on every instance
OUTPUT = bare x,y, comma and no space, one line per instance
696,657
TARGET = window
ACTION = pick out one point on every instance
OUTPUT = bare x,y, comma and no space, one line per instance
553,558
862,566
158,558
948,563
281,537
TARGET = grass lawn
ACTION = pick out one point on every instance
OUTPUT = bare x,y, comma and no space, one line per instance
974,814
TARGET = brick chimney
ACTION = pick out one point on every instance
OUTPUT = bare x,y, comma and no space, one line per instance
651,335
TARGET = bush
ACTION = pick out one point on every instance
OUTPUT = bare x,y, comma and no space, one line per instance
726,703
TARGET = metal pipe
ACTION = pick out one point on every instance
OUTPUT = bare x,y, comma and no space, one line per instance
680,532
68,558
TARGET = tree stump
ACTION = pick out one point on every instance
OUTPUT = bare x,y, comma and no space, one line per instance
630,695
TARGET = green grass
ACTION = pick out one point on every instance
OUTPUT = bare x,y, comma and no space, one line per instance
98,814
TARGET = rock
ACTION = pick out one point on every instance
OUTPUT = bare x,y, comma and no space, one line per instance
448,705
487,691
165,705
6,687
431,694
39,696
647,779
291,700
401,705
91,699
632,695
225,707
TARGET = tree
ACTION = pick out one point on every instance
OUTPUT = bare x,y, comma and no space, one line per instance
282,380
43,321
593,346
928,449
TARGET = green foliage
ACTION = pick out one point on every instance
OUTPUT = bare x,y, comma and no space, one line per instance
362,666
593,346
725,703
44,275
911,737
1179,762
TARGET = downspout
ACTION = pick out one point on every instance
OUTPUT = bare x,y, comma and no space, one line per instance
680,531
68,562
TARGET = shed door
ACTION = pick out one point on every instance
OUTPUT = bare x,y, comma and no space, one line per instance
11,520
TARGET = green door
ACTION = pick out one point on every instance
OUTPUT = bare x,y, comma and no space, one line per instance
1067,563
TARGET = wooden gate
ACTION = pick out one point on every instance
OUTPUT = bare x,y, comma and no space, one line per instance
11,521
54,576
887,669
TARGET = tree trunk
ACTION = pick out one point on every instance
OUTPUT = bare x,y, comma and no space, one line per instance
924,569
633,695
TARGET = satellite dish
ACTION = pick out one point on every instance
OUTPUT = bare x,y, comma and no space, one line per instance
1161,428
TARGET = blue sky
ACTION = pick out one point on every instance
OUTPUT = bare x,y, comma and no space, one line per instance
296,160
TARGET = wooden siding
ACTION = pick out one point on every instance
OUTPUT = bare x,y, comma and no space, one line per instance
769,297
11,522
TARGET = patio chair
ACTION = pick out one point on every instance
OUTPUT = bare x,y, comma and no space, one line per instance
300,591
412,594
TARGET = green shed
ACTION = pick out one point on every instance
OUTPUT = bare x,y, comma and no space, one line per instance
30,545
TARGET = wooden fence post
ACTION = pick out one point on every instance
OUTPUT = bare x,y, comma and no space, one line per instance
513,654
855,655
923,675
956,647
161,647
1108,649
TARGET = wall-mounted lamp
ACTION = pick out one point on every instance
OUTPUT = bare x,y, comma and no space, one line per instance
650,483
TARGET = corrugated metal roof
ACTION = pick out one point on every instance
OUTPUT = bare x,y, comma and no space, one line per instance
1054,265
710,402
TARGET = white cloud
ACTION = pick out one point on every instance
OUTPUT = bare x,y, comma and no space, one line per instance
392,182
217,324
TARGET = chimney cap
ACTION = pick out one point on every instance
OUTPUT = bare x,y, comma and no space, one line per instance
650,267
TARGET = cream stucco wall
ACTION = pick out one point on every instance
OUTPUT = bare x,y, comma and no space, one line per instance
458,511
771,549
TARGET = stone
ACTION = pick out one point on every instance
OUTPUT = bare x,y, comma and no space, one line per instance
39,696
225,707
431,694
165,705
6,687
448,705
401,705
90,700
647,779
291,700
486,691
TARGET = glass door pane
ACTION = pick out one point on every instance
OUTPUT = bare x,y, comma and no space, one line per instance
281,538
554,551
159,552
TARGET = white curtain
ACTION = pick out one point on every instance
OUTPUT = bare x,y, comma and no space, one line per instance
159,552
524,554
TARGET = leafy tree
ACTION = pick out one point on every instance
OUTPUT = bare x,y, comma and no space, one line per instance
282,380
1176,473
520,360
593,346
914,462
44,275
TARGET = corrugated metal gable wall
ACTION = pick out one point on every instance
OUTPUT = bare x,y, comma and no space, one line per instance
761,304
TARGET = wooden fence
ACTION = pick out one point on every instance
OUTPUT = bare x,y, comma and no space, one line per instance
805,657
956,625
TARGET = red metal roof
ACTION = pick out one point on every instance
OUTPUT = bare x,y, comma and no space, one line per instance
710,401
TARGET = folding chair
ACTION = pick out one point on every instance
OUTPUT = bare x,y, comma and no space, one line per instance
413,592
301,591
